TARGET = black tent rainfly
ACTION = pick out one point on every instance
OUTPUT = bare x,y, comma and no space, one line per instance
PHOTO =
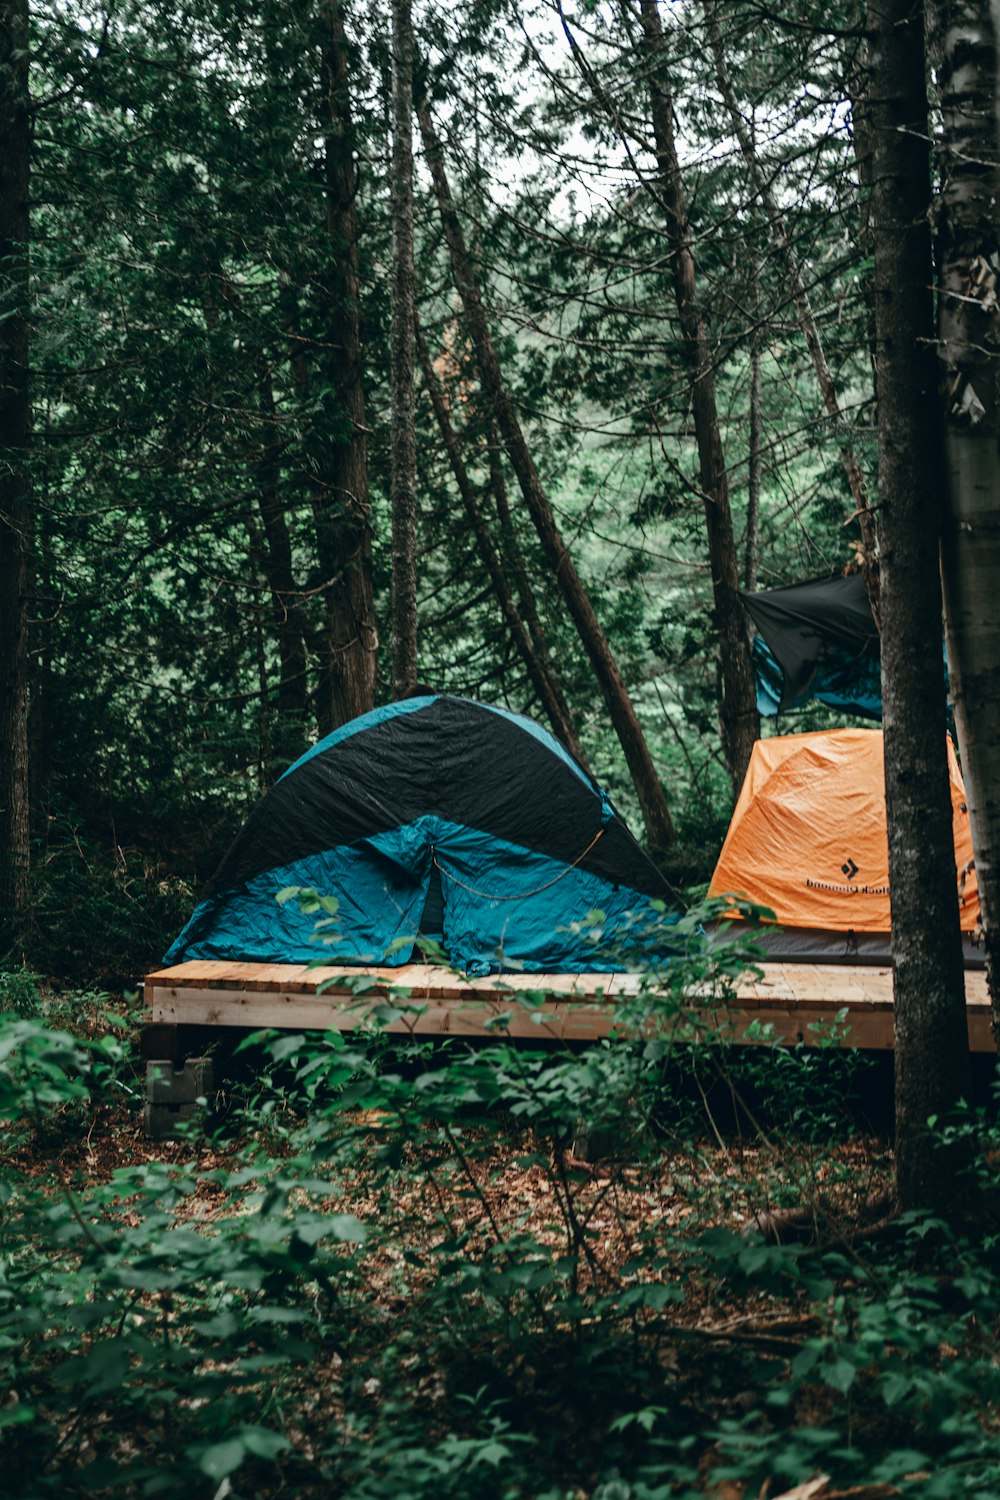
816,639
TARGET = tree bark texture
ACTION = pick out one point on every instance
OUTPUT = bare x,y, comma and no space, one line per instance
652,800
931,1035
340,499
273,550
276,565
404,456
549,694
861,142
800,296
755,465
516,567
965,42
739,718
15,431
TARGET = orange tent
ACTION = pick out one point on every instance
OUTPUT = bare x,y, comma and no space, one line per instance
808,840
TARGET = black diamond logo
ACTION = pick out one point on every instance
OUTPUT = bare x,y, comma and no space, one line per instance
850,869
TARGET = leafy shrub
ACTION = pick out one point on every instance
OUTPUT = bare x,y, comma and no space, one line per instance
20,994
109,920
388,1273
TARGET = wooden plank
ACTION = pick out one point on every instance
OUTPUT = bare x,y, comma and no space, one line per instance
340,980
788,997
193,971
976,989
279,976
255,1010
795,980
290,1010
871,1030
621,986
428,979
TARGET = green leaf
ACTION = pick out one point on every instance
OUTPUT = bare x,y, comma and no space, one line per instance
492,1453
385,1014
263,1443
16,1416
222,1459
805,1361
286,1046
347,1228
839,1373
895,1388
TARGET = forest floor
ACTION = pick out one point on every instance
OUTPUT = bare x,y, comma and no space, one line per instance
411,1282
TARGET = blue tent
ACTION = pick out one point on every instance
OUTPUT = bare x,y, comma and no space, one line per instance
853,684
441,817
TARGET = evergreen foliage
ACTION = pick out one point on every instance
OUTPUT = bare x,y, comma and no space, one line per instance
184,404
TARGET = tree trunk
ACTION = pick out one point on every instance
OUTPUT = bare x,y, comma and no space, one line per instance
740,720
265,740
15,429
800,296
652,800
276,564
273,550
404,455
549,695
966,61
751,547
514,561
861,141
340,496
931,1034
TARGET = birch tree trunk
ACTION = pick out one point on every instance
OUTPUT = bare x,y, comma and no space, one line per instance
931,1034
649,790
965,40
340,497
15,429
404,457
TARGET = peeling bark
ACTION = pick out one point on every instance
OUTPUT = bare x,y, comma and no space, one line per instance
965,41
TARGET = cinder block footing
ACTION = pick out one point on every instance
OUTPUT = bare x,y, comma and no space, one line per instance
173,1094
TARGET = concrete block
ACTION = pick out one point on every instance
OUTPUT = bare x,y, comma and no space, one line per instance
168,1084
172,1094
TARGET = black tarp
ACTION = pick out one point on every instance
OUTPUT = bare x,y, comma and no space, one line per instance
823,638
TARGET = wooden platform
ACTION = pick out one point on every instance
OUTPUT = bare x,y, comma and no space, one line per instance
425,1000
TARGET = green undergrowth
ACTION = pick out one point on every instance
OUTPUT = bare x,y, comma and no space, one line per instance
642,1269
